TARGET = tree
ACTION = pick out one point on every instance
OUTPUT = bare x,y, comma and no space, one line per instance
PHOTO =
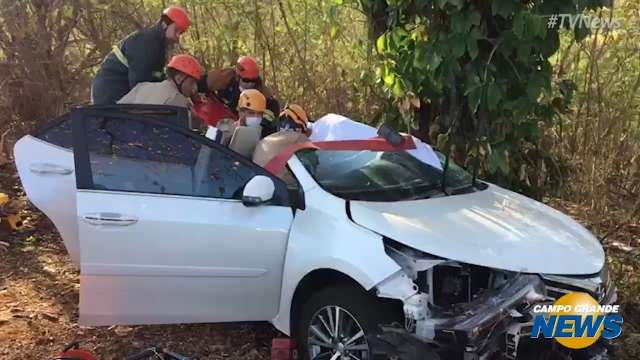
477,75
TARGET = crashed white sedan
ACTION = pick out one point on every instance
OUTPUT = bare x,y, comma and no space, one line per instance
367,253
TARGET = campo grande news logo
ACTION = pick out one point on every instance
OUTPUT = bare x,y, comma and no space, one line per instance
577,321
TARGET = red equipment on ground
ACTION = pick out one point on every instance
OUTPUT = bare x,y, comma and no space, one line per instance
73,352
283,349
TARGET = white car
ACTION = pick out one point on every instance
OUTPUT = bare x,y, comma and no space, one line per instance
363,255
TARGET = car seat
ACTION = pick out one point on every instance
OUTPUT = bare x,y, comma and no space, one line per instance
244,140
272,145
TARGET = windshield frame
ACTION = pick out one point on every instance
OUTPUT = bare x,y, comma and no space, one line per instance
426,190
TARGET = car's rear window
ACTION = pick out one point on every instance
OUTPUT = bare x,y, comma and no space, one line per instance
57,132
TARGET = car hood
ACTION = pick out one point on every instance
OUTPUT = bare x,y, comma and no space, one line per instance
495,227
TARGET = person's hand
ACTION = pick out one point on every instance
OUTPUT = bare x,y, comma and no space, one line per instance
218,79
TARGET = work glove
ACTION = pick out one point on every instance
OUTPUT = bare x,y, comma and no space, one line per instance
219,79
269,116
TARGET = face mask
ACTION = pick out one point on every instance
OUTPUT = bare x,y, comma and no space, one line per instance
253,121
244,85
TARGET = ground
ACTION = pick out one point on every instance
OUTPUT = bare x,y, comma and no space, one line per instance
39,302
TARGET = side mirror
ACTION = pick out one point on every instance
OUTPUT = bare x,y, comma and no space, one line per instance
258,191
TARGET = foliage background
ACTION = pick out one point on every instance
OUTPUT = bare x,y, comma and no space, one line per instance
355,58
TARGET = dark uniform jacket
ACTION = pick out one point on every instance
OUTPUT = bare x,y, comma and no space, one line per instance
146,54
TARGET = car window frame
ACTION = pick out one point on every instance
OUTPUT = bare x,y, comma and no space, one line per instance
51,124
167,112
84,175
325,188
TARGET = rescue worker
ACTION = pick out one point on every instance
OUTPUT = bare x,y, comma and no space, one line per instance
140,57
227,84
293,128
248,129
294,118
183,73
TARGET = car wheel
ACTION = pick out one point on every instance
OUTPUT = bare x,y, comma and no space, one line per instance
338,322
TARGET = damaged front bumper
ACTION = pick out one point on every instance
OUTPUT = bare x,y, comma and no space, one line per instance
495,323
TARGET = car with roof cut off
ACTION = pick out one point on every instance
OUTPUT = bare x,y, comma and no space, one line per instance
366,252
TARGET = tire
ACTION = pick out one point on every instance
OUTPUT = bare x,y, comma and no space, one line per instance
367,311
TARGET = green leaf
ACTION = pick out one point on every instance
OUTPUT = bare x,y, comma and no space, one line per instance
519,25
429,59
497,161
400,36
536,25
442,3
524,52
338,2
458,45
334,31
457,3
459,23
503,8
473,99
397,90
494,95
389,79
534,87
474,18
381,43
472,47
472,82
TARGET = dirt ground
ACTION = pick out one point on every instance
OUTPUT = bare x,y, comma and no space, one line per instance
39,302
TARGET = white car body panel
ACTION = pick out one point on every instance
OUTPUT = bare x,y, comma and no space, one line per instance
496,228
48,177
323,237
184,259
179,259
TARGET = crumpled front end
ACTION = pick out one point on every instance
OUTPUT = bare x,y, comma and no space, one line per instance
462,311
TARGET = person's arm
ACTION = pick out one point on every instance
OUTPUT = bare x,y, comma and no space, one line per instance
215,80
202,84
274,106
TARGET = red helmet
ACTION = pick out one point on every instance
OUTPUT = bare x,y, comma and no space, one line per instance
247,68
179,16
186,64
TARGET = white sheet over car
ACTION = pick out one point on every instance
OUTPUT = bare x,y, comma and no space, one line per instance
333,127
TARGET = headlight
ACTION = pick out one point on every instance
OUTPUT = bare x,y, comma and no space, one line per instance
599,285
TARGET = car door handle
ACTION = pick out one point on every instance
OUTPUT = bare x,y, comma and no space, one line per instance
109,219
49,169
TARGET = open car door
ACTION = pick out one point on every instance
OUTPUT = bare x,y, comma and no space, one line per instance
164,235
45,165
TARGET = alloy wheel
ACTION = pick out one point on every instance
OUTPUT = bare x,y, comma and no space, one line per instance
334,334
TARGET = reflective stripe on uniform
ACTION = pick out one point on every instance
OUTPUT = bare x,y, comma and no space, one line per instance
118,53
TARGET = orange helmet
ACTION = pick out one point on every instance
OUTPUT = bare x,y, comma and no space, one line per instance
247,68
186,64
179,16
297,114
252,99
